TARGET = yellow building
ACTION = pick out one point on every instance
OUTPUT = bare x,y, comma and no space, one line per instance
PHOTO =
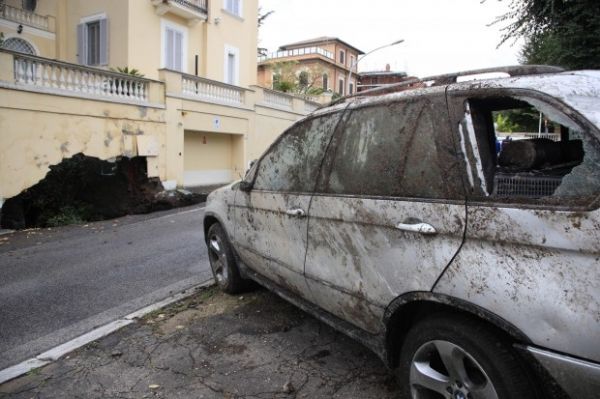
324,61
197,114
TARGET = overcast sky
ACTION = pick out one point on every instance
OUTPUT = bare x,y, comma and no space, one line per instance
440,35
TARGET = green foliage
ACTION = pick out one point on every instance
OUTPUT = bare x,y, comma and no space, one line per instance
517,120
69,215
127,71
559,32
1,38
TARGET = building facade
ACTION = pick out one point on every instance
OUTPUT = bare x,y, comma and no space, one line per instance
323,62
196,114
372,79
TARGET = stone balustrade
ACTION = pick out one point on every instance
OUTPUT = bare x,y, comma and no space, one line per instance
73,79
25,17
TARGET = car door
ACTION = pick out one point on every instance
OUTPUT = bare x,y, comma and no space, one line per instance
388,214
271,218
532,245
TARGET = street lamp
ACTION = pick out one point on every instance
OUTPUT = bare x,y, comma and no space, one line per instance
355,63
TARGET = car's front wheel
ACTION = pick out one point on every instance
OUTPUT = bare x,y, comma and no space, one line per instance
457,357
222,261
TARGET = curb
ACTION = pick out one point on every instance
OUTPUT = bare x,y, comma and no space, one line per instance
59,351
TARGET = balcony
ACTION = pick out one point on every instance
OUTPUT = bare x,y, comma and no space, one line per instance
42,75
297,52
212,91
24,17
193,11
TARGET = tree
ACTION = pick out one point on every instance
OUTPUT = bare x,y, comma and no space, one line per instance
559,32
289,79
262,51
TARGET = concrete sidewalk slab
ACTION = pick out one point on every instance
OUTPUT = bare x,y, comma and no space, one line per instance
211,345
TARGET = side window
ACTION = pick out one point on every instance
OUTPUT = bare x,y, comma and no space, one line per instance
402,149
521,149
92,41
292,164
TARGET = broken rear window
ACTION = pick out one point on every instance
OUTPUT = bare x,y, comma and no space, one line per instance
523,149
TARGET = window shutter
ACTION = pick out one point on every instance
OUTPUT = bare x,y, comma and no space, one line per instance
169,49
104,41
179,51
81,44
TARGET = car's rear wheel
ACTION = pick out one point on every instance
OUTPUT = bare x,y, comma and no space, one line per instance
457,357
222,261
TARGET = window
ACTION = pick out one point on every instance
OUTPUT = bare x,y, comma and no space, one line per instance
292,163
276,80
325,82
395,150
342,56
92,41
351,62
234,7
303,79
341,87
351,88
29,5
521,149
18,44
232,68
174,52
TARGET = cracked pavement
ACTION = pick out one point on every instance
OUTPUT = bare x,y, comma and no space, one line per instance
212,345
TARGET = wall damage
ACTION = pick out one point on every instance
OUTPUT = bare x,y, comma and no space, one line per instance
83,188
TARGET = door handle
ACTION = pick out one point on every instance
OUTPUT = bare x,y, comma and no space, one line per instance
297,212
421,228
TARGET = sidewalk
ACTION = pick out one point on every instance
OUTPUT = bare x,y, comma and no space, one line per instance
215,346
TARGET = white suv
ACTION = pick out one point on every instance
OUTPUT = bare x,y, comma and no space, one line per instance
465,256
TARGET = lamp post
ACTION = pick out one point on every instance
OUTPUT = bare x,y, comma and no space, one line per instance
355,63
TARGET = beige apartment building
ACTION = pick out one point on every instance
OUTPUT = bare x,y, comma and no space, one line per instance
326,61
196,115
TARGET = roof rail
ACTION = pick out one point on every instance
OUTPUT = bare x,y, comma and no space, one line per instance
445,79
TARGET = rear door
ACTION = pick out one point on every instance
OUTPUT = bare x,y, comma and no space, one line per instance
272,219
389,211
532,246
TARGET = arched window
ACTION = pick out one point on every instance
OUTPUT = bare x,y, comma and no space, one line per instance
303,79
325,82
18,44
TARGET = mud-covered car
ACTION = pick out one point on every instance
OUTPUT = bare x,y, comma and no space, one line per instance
466,257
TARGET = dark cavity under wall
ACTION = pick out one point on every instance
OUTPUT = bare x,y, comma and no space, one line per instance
84,188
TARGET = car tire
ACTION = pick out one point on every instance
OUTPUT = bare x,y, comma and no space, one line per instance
222,260
458,357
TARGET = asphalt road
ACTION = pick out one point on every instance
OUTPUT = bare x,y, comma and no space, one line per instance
56,284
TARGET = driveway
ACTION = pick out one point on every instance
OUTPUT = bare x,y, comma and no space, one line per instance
59,283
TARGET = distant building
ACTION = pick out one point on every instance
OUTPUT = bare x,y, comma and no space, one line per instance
324,62
372,79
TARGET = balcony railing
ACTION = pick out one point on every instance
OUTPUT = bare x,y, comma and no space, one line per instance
211,90
192,10
297,52
71,79
278,99
197,5
24,17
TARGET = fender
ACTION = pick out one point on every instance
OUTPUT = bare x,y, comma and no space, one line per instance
400,313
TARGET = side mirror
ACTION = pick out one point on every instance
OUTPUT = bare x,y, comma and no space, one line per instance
245,185
250,165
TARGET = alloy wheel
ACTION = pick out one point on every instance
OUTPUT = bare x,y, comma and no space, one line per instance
441,369
218,259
